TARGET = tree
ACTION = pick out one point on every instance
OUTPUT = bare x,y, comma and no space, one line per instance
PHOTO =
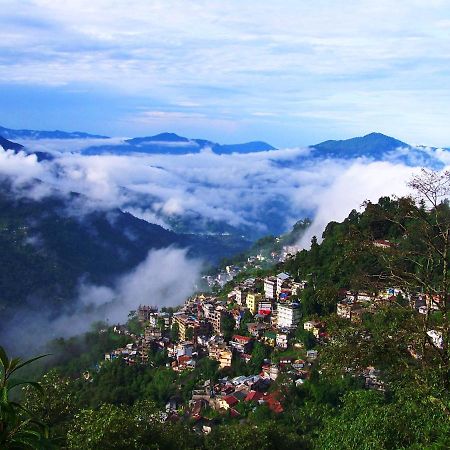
370,420
175,332
227,325
259,354
189,334
56,405
420,263
161,323
19,429
245,320
305,337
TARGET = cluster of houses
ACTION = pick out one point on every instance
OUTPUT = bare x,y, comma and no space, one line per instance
257,261
355,304
226,329
265,310
228,393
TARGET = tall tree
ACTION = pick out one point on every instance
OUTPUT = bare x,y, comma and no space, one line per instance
420,263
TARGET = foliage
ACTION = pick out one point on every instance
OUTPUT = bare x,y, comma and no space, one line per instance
19,429
408,418
175,332
227,325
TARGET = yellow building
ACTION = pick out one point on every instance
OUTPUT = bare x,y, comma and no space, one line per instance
221,353
252,301
184,323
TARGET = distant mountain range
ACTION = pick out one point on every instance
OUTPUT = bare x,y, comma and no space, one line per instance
170,143
372,145
9,133
379,147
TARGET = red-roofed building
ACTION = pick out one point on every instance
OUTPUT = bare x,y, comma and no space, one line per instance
241,344
227,402
253,396
273,404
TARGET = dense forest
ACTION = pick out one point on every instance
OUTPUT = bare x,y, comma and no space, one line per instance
77,405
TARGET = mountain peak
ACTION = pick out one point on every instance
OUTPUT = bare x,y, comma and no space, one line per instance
161,137
9,133
373,145
9,145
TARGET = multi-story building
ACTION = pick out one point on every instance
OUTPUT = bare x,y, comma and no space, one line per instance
282,340
215,318
265,307
297,288
242,344
241,296
289,315
252,301
282,280
144,312
221,353
184,323
344,309
270,287
315,327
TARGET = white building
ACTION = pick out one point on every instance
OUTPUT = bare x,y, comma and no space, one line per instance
288,315
270,287
241,296
282,340
282,278
436,338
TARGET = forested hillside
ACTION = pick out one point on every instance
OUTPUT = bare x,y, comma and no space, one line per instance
48,245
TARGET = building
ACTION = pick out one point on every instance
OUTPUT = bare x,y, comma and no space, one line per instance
297,288
282,281
382,243
241,296
144,312
215,318
270,287
221,353
257,329
184,323
242,344
270,338
289,315
315,327
189,327
265,307
436,338
252,301
282,340
344,310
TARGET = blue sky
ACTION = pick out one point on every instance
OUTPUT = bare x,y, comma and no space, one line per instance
288,72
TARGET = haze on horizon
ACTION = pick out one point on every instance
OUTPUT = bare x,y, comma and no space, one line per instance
290,73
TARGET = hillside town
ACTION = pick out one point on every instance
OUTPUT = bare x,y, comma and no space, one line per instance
228,328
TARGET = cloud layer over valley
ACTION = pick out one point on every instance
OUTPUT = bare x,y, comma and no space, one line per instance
150,283
258,193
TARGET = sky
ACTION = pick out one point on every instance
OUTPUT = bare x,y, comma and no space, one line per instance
291,73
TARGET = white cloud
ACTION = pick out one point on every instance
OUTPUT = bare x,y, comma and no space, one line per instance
150,283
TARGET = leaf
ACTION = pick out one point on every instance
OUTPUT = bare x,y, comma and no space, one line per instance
15,383
29,361
4,358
